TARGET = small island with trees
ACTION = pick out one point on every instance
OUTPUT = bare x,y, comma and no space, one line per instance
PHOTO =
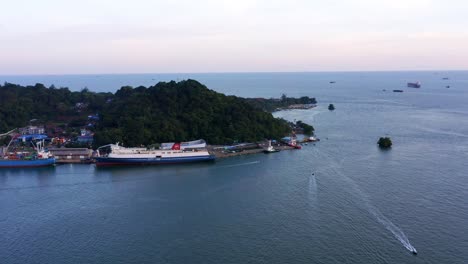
384,142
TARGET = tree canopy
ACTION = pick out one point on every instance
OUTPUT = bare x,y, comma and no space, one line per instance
384,142
19,104
167,111
272,104
180,111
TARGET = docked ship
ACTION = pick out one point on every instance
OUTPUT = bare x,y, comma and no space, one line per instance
38,157
114,154
196,144
414,85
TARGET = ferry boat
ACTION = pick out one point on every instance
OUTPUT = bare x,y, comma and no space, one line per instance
196,144
113,154
414,85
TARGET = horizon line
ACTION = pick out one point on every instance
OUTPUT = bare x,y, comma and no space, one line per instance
232,72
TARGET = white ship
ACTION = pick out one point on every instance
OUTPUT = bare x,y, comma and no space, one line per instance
113,154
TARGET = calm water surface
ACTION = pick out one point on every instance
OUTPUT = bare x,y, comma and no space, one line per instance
341,200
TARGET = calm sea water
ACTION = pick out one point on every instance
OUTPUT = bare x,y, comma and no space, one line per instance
341,200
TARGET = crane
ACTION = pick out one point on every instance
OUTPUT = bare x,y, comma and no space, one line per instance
12,138
8,133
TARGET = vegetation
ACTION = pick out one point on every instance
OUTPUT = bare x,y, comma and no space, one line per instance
273,104
331,107
18,105
306,129
384,142
180,111
167,111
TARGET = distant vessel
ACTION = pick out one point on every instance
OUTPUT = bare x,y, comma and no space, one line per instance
397,91
113,154
332,82
313,139
414,85
445,78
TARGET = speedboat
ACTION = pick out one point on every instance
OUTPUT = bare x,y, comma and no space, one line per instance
414,251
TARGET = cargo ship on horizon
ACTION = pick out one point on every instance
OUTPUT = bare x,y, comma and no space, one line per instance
414,85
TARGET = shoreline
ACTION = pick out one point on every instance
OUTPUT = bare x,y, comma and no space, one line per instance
222,154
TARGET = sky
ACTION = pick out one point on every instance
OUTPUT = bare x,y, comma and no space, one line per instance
174,36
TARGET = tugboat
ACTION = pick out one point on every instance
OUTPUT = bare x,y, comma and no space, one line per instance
270,149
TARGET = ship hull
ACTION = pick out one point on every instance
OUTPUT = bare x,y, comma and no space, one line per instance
108,161
27,163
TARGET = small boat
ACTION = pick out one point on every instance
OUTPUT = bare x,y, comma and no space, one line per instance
332,82
448,86
270,149
414,85
397,91
414,251
313,139
445,78
296,146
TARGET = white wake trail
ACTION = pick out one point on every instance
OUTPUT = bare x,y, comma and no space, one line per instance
390,226
382,219
312,185
237,165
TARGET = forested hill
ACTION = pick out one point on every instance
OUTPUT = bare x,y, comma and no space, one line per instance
167,111
179,111
19,104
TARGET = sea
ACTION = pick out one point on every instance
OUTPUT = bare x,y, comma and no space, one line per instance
340,200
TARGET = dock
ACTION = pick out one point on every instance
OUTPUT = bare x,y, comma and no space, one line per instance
72,155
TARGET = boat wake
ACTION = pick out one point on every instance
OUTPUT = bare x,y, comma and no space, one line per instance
390,226
238,165
374,211
312,186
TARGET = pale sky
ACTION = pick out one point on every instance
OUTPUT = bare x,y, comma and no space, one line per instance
153,36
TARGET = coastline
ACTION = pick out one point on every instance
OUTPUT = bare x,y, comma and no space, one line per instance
222,154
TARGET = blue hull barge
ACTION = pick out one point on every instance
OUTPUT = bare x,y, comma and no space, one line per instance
10,163
114,155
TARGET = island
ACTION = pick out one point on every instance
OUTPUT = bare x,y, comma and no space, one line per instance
144,116
384,142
